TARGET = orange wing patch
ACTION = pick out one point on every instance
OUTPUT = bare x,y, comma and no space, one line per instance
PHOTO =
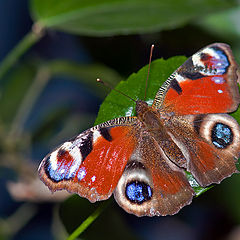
92,164
200,96
103,167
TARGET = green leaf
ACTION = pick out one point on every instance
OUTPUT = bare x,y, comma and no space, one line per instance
109,17
117,105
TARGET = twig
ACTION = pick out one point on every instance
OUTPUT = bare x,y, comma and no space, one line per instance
28,40
88,221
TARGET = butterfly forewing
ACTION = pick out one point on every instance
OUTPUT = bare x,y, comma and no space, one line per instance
205,83
92,163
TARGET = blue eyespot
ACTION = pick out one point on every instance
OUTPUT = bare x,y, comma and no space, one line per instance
221,63
138,192
222,135
61,170
59,174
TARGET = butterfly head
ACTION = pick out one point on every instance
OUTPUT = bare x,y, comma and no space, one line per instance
147,115
141,107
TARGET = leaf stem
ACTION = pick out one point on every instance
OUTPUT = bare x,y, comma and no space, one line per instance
88,221
30,98
28,40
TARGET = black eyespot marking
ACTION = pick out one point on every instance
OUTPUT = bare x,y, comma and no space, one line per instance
193,75
134,165
222,135
86,145
50,173
190,71
175,85
105,134
46,168
138,192
61,153
223,58
204,56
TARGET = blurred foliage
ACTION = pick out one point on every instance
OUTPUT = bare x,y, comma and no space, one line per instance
31,121
117,105
225,26
111,17
15,87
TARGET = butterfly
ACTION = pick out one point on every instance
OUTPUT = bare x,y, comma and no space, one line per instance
142,159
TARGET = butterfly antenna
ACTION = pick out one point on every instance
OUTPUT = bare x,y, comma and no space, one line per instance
107,85
149,64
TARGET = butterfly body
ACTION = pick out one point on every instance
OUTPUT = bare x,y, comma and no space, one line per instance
142,159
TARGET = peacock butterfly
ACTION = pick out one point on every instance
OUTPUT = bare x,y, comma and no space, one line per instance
142,159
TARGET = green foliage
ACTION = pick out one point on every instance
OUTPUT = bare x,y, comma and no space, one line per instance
111,17
117,105
225,25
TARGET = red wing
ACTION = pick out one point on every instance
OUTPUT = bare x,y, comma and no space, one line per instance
91,164
205,83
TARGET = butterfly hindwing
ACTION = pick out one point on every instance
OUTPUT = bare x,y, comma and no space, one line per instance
210,143
92,163
151,184
205,83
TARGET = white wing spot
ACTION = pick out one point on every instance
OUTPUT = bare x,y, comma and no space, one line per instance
76,155
211,52
96,135
81,174
53,160
197,60
218,80
179,78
